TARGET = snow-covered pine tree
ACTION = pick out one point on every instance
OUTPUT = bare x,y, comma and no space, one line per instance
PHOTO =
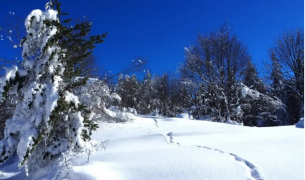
252,80
259,110
162,96
276,77
255,108
49,119
176,98
128,88
250,105
147,94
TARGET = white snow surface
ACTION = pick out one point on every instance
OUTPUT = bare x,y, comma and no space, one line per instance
157,148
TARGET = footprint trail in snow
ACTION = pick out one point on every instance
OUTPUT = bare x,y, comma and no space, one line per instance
250,168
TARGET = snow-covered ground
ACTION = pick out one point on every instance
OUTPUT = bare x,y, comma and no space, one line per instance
174,148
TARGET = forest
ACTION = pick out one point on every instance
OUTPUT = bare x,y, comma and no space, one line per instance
218,80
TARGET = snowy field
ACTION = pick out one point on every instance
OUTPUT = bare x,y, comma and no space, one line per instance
156,148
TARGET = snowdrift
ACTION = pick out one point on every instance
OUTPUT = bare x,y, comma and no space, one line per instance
174,148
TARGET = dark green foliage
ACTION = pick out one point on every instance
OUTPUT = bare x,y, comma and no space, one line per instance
75,42
69,120
252,80
129,88
259,110
11,83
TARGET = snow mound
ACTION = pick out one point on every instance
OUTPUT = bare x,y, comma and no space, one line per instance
157,148
300,124
185,116
234,122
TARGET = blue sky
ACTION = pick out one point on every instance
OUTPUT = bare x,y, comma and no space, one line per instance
158,30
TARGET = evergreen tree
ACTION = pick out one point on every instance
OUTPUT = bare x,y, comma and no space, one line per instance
257,109
162,96
128,89
276,77
278,89
49,119
147,94
176,105
252,80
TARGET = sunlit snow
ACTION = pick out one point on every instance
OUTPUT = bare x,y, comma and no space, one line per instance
178,148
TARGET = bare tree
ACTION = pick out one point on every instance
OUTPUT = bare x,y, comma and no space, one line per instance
135,66
215,62
288,51
88,67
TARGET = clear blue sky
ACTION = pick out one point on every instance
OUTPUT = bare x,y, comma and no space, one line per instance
158,30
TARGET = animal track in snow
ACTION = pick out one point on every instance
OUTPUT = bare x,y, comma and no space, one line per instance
169,137
251,168
156,122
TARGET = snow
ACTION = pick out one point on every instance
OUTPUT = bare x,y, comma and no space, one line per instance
10,75
300,124
51,14
36,14
26,141
115,96
185,116
175,148
233,122
247,91
90,171
51,101
70,97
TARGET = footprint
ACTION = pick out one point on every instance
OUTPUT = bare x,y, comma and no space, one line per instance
156,122
170,137
251,168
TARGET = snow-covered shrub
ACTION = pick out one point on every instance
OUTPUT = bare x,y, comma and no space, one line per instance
185,116
115,114
233,122
49,119
130,110
255,108
93,94
96,96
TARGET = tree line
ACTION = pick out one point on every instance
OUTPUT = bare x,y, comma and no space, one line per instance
209,82
215,78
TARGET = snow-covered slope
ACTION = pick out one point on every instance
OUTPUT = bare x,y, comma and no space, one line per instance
172,148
